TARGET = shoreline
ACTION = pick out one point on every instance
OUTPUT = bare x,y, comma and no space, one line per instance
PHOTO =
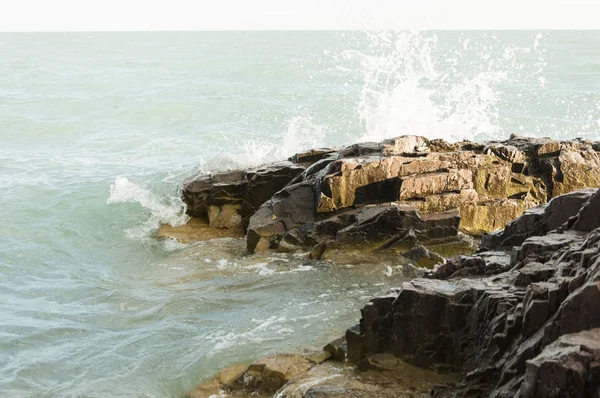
416,200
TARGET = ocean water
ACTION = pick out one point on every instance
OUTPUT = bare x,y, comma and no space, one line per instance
98,131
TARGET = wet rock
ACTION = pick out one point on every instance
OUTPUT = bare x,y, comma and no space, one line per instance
405,145
196,229
337,349
310,157
488,184
387,378
500,331
227,380
287,209
271,373
244,191
423,257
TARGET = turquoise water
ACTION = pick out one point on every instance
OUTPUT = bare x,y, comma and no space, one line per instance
98,130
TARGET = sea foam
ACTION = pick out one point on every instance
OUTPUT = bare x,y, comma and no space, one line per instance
172,212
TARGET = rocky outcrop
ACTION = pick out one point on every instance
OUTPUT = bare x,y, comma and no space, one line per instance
516,320
304,376
406,189
228,199
518,317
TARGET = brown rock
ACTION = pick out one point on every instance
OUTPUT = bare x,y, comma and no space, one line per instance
196,230
271,373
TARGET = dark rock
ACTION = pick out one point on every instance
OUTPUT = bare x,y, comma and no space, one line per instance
588,218
312,156
566,368
423,257
289,208
337,349
499,331
538,221
245,190
534,272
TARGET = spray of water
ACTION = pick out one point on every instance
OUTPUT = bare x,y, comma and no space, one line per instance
170,211
410,83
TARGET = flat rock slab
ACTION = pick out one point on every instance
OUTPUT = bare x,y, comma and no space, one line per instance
382,377
196,230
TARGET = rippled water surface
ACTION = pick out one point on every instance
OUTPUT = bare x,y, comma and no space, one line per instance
99,130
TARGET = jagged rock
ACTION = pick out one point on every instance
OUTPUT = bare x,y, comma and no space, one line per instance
492,329
375,224
501,317
588,218
236,195
287,209
539,220
569,367
337,348
484,263
534,272
323,189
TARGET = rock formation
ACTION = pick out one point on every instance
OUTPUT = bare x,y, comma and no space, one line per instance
392,194
518,317
518,320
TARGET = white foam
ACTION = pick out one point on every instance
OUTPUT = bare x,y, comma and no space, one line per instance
302,133
172,212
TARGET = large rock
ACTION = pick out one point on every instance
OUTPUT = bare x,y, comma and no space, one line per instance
530,329
305,202
569,367
229,199
539,220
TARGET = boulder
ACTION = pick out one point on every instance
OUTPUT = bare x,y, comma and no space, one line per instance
232,197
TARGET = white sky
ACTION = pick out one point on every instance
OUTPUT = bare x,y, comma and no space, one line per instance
93,15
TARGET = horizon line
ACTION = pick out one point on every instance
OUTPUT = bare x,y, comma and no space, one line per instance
176,30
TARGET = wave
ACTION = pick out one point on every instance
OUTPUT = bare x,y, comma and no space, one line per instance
408,83
172,212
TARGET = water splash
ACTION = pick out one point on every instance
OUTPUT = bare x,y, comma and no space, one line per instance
172,212
406,91
302,133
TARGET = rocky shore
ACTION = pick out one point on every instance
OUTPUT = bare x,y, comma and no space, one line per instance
515,314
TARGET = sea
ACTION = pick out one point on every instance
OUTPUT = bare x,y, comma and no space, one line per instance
98,131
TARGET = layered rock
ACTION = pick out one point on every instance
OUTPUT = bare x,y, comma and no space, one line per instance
515,320
228,199
404,189
520,317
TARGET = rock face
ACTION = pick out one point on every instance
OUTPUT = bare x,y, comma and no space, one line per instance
406,188
228,199
519,318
